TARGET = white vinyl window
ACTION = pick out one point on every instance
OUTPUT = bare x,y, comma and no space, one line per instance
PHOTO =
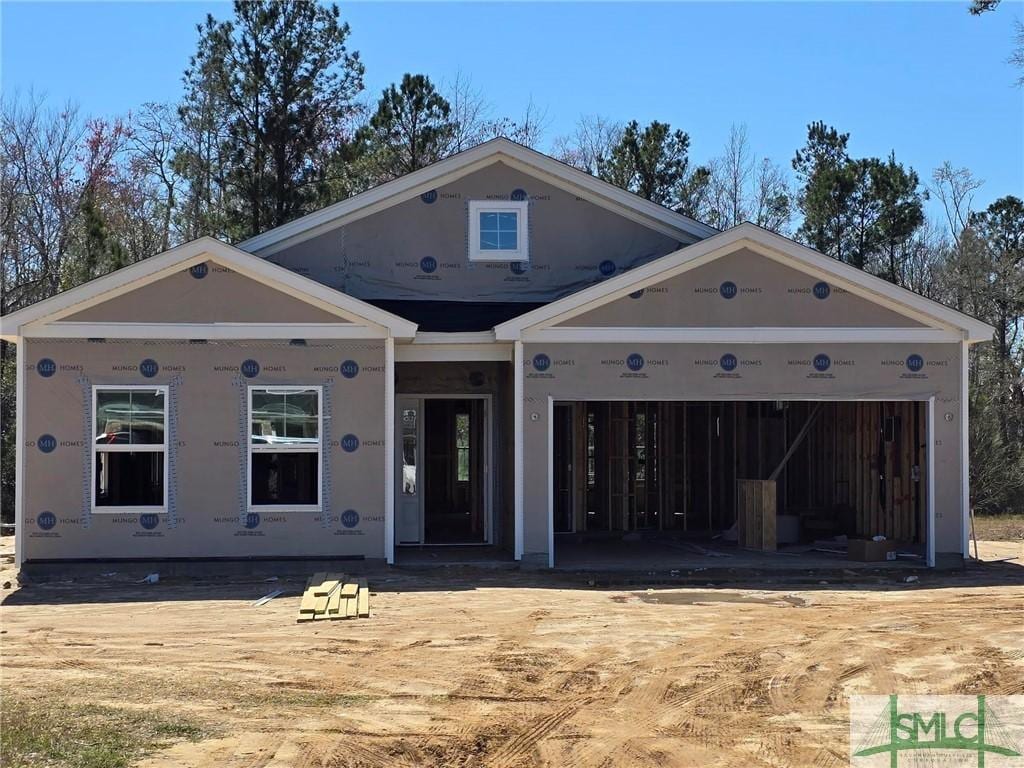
129,448
498,230
285,449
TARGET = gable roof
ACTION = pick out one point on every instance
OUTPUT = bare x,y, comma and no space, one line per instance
147,271
522,158
769,245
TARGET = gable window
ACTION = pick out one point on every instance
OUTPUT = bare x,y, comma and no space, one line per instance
285,448
498,230
129,448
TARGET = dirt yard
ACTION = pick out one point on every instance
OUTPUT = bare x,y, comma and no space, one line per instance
495,668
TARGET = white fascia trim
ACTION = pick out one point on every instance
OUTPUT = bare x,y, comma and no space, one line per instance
446,171
756,335
77,330
442,353
464,337
188,255
768,244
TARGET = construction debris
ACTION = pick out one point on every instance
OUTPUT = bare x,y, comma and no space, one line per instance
333,596
267,598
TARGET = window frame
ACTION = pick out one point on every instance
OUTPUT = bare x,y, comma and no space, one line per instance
251,449
522,210
128,448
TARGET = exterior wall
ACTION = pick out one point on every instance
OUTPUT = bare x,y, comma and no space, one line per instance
762,372
418,249
742,289
474,378
207,435
206,293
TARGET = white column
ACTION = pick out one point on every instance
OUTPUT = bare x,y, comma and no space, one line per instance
389,450
517,363
930,526
965,446
19,453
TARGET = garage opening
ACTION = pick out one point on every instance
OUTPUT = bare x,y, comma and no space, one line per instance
825,480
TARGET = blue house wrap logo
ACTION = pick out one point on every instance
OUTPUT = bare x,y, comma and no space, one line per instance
518,194
517,268
822,362
635,362
199,271
728,290
46,520
428,264
606,267
46,443
636,294
915,363
349,443
429,197
541,362
350,369
46,367
728,361
250,368
149,368
149,521
350,518
252,520
821,290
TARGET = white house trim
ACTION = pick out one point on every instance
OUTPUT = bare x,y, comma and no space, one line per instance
389,450
768,244
79,330
751,335
471,160
443,353
188,255
518,445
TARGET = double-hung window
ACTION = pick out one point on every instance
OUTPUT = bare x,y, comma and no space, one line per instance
285,448
129,448
498,230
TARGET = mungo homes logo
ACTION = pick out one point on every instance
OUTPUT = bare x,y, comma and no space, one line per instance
46,367
728,365
917,731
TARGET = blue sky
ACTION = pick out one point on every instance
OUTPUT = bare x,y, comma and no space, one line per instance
924,79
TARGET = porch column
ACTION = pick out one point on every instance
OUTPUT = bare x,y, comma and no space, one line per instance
19,452
389,450
517,365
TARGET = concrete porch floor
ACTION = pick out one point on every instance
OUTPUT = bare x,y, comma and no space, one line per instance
603,554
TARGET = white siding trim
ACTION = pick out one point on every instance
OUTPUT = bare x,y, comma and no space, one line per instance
432,353
930,527
19,456
82,330
518,391
749,335
389,450
965,446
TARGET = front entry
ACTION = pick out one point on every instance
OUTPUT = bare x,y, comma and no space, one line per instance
442,476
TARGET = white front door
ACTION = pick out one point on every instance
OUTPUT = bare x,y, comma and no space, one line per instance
409,471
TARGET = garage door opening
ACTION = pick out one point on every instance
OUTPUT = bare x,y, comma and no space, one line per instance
825,480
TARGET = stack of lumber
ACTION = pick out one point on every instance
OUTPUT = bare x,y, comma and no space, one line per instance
334,596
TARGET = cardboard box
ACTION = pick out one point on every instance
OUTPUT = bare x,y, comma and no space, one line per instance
868,551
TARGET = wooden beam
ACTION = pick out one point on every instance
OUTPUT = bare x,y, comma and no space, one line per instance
796,442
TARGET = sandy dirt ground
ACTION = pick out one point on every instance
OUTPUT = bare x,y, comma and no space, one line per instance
501,668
